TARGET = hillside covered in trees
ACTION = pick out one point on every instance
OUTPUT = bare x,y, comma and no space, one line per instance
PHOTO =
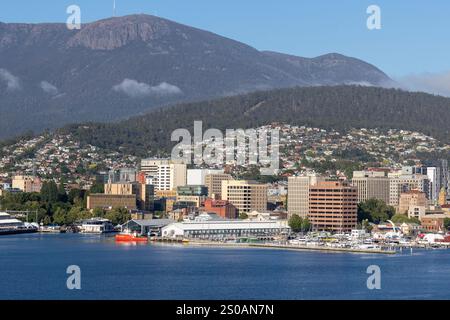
334,107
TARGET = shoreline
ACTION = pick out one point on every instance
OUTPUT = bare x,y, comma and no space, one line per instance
289,247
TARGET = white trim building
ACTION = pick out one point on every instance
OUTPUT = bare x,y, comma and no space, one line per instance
217,229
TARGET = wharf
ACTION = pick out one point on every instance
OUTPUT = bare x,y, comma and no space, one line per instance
290,247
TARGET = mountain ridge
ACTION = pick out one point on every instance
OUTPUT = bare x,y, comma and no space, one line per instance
119,67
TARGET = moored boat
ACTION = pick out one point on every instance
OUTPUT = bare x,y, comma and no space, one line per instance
96,225
9,225
130,237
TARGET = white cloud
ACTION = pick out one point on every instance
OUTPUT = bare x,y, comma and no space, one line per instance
133,88
12,82
49,88
435,83
137,89
359,83
165,88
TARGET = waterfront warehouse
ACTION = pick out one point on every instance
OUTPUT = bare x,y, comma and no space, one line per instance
217,229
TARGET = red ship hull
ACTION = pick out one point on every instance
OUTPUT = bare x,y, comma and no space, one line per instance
130,238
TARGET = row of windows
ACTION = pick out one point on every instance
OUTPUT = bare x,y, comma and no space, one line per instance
234,231
333,190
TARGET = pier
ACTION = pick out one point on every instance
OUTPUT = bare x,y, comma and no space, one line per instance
168,240
288,247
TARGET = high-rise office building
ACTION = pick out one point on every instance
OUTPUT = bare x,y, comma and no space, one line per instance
445,176
371,185
434,179
400,182
245,195
165,174
333,206
298,193
213,182
434,176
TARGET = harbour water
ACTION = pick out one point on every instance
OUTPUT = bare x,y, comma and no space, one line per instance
33,266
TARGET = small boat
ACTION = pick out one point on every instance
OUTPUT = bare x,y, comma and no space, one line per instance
130,237
51,228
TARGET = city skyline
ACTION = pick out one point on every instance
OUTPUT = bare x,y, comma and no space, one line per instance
170,150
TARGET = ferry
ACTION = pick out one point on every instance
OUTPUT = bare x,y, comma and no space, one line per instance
9,225
96,225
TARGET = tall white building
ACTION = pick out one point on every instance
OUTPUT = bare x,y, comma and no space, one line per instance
165,174
434,176
298,193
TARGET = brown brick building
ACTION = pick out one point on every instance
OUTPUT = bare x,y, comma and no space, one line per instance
106,201
433,222
222,208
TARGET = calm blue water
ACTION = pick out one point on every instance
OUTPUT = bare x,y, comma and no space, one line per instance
34,267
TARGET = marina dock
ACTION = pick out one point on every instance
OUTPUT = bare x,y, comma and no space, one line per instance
290,247
320,248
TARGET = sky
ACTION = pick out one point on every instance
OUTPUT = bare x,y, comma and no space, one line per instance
412,46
